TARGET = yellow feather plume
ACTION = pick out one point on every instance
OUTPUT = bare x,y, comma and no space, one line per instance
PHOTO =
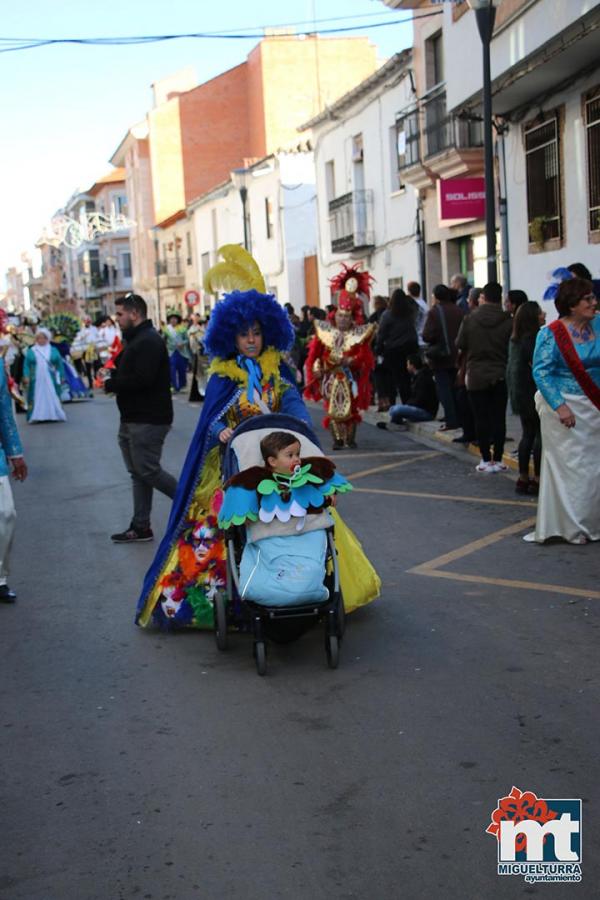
238,272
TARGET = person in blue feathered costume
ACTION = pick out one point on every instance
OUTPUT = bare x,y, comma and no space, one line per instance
246,336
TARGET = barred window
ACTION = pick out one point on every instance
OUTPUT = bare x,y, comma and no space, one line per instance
407,140
592,127
542,158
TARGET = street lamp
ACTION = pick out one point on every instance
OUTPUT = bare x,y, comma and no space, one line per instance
485,13
239,179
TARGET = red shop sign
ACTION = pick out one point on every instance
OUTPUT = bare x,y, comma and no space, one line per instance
192,298
462,198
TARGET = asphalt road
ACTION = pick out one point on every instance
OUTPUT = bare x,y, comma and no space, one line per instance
137,764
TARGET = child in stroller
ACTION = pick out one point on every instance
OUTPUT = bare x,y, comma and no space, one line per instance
282,505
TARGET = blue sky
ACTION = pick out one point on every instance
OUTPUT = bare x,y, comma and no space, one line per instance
64,109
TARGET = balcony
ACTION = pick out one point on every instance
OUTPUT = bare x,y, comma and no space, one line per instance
171,272
453,144
351,222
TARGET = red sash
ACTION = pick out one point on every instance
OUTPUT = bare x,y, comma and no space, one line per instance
573,360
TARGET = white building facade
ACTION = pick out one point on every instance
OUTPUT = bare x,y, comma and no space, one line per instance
281,228
366,213
545,71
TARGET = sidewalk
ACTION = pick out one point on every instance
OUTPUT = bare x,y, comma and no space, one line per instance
431,431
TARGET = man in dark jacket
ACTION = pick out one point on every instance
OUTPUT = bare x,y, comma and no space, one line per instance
483,338
142,383
422,404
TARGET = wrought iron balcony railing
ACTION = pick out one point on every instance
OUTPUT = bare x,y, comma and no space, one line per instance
351,221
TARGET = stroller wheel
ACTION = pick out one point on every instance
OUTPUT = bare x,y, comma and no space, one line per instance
260,657
332,648
220,620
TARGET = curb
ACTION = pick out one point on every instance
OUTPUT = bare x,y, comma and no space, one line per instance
430,431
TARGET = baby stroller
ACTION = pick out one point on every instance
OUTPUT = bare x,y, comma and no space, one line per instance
281,623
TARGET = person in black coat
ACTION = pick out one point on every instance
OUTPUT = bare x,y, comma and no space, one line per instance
422,405
528,320
141,381
396,340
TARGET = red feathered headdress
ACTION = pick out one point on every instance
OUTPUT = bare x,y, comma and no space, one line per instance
364,280
351,301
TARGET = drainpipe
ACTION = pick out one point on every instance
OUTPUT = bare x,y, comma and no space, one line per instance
420,235
503,206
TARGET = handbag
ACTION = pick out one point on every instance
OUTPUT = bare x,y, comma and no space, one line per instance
441,350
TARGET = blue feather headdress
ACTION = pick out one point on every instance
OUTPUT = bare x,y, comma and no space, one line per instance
559,275
237,312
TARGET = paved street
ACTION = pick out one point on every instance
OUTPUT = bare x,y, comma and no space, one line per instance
147,765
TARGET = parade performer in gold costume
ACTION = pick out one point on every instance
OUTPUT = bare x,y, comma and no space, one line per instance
340,360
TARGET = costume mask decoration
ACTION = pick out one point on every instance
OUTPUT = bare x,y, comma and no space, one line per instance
352,286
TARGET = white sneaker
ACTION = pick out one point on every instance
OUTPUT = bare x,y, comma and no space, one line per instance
500,467
487,468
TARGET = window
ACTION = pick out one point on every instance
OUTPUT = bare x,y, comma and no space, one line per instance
269,217
126,265
188,247
434,61
214,229
358,154
592,127
407,140
204,264
330,180
542,160
120,204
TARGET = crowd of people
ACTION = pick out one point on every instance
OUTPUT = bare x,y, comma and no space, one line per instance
470,350
482,350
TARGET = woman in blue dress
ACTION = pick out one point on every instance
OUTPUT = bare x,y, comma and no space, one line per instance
246,337
247,334
566,369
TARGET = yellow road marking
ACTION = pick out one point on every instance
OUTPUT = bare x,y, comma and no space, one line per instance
472,547
433,569
526,503
403,462
507,582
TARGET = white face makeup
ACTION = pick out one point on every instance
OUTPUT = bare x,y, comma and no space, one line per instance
351,285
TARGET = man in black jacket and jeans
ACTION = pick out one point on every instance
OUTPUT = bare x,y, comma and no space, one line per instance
142,384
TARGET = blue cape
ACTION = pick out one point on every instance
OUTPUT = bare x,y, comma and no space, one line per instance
221,393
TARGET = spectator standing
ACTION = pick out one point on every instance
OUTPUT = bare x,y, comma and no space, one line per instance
439,333
413,289
484,337
460,284
528,320
396,339
474,295
380,305
11,453
580,271
142,383
515,299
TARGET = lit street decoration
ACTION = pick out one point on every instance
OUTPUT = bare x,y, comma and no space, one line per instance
75,232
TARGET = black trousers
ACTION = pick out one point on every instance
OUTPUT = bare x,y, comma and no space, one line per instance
531,442
394,375
489,412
